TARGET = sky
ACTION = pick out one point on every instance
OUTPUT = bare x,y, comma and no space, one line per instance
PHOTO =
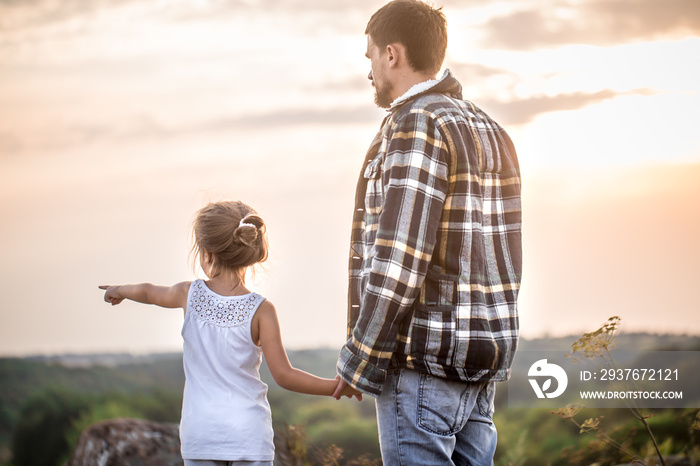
120,118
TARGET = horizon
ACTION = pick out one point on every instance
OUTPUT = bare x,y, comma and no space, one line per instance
165,353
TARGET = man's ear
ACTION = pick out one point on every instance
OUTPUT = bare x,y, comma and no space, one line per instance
395,54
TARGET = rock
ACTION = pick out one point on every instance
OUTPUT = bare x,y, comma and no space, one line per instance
128,442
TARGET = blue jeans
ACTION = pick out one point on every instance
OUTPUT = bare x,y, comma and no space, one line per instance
426,420
226,463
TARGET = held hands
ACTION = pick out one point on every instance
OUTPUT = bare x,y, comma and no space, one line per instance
112,294
343,389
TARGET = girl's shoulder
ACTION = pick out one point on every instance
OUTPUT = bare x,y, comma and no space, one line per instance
183,286
265,311
266,306
180,293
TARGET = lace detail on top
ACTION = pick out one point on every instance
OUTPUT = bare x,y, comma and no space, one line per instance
225,311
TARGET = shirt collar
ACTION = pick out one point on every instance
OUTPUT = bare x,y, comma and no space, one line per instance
446,84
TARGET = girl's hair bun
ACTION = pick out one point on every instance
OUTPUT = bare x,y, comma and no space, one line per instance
248,230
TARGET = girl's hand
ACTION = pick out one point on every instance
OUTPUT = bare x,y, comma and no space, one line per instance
343,389
112,294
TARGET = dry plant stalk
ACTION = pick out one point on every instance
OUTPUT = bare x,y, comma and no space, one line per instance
597,345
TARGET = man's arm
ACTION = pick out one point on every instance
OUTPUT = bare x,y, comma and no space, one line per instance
415,179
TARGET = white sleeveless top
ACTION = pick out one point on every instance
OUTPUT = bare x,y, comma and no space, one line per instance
225,412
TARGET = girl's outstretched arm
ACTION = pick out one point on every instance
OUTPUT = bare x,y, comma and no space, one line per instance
164,296
266,332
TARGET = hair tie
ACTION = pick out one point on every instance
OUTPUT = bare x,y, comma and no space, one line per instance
245,224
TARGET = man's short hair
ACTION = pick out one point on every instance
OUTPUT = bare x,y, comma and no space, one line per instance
417,26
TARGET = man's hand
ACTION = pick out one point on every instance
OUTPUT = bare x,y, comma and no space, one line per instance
343,389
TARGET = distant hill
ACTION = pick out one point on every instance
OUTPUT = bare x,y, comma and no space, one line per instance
21,378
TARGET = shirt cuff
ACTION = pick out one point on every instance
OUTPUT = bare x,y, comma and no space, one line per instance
360,374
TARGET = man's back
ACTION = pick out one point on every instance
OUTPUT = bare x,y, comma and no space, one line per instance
439,240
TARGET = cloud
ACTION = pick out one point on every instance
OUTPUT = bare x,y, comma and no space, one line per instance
143,127
296,117
507,112
353,83
31,13
598,23
316,5
519,112
475,71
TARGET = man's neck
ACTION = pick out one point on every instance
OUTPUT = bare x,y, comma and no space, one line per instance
415,86
407,80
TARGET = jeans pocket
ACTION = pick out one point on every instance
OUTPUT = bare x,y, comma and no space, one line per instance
485,400
442,404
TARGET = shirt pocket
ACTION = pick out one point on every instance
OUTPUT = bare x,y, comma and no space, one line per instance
433,333
439,289
374,194
434,329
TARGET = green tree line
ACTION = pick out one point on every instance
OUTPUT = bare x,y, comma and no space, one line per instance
46,404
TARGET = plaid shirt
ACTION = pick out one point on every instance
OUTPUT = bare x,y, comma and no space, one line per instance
435,256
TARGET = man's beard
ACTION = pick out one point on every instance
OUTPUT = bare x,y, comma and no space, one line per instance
382,95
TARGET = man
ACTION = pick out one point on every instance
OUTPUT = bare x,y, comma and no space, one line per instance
435,253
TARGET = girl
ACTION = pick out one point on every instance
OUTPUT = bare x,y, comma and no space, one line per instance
225,413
